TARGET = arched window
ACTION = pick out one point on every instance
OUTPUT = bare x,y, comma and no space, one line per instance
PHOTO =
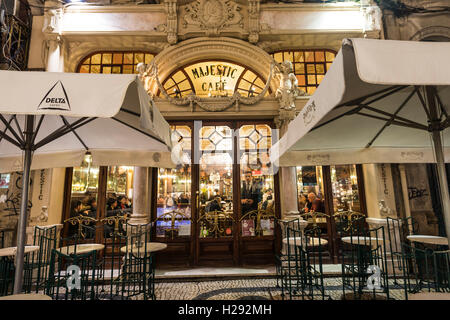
214,78
113,62
310,66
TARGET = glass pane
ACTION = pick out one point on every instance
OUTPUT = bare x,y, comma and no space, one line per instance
128,69
310,90
319,56
95,69
330,56
106,70
299,68
128,58
96,59
138,57
117,58
83,200
345,188
116,69
84,69
107,58
320,68
119,195
148,58
298,56
216,183
278,57
257,199
310,189
174,193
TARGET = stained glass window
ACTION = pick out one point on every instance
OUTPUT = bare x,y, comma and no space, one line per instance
213,79
310,66
114,62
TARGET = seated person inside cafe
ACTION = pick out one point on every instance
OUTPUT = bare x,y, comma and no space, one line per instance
314,204
77,210
250,193
116,207
214,205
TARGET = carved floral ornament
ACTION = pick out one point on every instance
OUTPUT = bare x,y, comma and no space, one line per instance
212,15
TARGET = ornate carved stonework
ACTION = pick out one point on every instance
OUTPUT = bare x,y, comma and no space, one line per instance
171,26
253,20
212,15
288,89
52,20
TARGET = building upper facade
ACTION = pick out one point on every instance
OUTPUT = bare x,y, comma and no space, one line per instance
184,35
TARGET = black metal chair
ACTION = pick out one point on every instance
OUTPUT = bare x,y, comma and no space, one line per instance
46,239
397,231
63,284
302,275
6,275
364,264
425,269
282,259
137,272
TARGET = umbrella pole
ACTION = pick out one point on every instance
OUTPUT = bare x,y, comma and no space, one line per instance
440,160
23,217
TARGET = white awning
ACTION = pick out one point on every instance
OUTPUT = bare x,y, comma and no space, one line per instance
121,125
335,127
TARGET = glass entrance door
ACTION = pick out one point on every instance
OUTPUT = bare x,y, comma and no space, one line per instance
218,208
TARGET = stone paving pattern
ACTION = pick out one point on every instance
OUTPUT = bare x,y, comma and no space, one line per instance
242,289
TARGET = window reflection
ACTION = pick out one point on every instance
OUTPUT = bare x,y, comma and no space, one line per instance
84,197
119,194
216,182
310,189
257,196
174,192
345,188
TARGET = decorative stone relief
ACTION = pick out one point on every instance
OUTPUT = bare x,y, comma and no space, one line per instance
288,89
52,21
372,18
253,20
212,15
171,26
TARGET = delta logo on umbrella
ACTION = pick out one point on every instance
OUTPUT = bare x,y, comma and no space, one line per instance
55,99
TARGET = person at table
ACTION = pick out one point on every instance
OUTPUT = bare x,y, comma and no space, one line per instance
250,193
214,205
183,199
92,213
314,204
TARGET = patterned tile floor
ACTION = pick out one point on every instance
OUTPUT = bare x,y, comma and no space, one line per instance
248,289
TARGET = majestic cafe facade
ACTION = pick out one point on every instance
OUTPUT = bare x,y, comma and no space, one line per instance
216,70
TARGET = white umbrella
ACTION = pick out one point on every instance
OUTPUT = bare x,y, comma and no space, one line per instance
382,101
53,119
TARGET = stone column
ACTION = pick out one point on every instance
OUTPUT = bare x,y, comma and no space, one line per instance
141,195
53,38
288,175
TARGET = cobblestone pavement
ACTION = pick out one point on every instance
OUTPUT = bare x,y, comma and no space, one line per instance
243,289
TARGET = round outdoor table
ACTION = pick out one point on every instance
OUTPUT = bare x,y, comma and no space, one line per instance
81,248
11,251
148,247
364,241
27,296
442,241
313,242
